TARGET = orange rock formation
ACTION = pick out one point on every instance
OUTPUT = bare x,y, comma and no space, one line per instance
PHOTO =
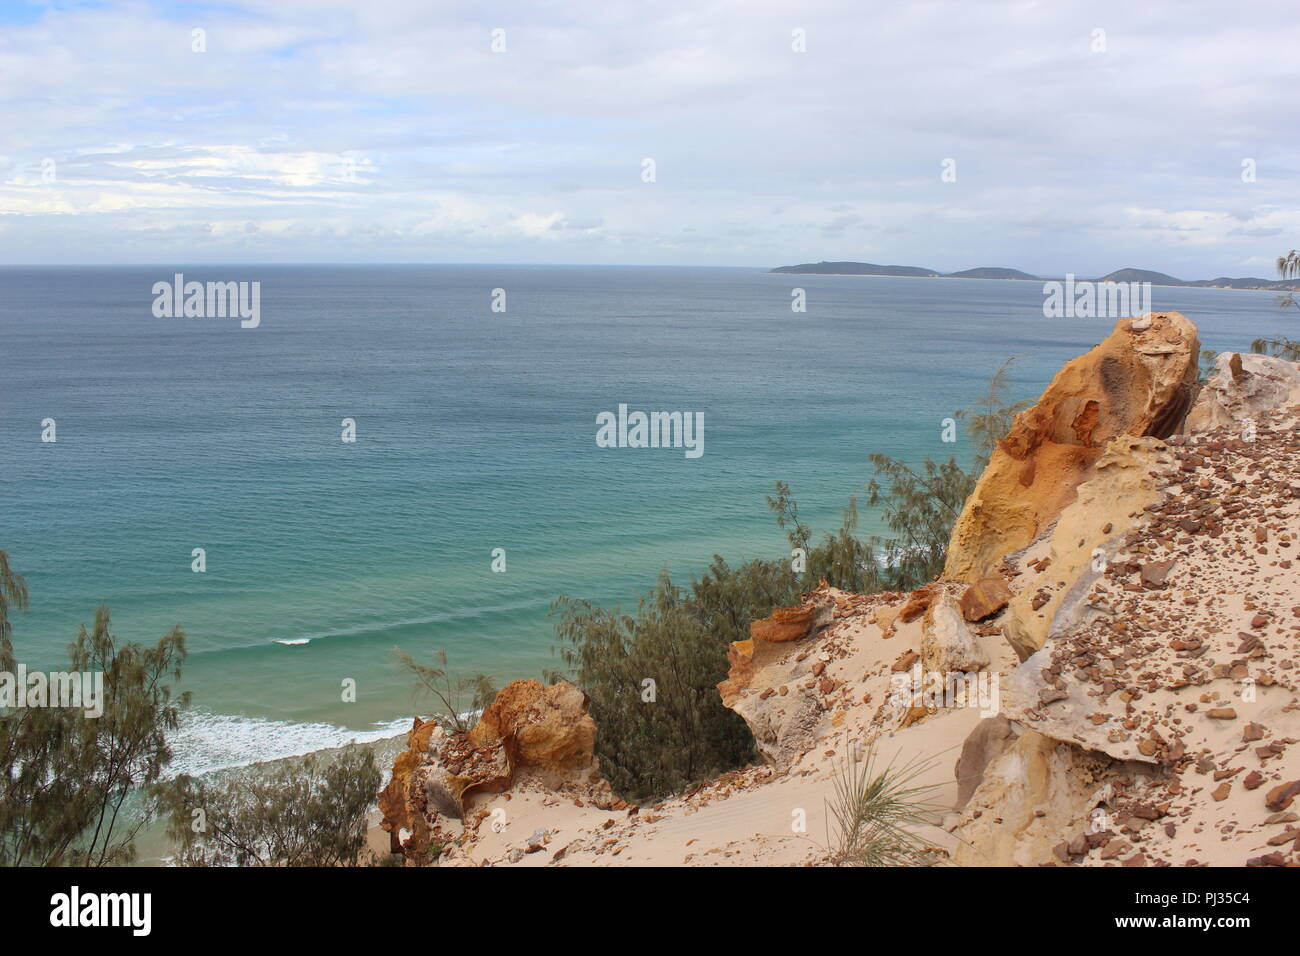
1139,381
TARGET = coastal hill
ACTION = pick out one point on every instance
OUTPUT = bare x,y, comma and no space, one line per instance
1147,275
1116,636
996,272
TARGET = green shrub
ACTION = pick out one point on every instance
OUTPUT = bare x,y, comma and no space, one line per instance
654,740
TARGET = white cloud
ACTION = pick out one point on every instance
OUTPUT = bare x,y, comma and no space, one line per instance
332,130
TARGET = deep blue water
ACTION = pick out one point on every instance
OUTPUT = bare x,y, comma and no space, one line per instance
476,430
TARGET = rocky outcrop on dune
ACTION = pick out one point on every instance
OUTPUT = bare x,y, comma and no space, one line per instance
1150,714
812,699
775,659
947,643
547,730
1054,575
1139,381
531,732
796,692
1244,385
1157,722
1108,673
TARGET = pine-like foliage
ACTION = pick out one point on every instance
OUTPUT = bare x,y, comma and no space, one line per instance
13,597
71,784
307,812
880,816
919,506
990,416
456,697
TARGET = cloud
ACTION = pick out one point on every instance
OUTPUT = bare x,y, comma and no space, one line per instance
334,131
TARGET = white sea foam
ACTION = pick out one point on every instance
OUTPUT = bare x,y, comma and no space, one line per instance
206,742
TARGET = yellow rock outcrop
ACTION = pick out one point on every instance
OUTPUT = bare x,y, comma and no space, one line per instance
1139,381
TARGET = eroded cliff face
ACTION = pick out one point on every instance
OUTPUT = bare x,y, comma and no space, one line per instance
1139,557
1108,674
776,660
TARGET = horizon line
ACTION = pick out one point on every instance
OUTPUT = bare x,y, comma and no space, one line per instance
588,265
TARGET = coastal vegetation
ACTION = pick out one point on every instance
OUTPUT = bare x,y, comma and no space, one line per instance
77,788
310,812
72,785
878,814
457,697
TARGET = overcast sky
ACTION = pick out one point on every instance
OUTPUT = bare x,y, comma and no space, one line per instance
390,130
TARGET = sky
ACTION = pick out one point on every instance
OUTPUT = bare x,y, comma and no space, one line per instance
1052,137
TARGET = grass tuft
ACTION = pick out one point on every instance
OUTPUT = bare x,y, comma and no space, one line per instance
877,814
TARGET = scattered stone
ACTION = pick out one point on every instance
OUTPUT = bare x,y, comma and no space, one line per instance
1281,796
1155,573
985,598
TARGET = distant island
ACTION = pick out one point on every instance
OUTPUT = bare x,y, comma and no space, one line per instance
995,272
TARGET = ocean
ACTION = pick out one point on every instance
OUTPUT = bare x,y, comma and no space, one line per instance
475,431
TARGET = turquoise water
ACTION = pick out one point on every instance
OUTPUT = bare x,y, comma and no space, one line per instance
476,430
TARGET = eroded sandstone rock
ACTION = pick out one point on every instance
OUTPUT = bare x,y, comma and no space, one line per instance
1125,479
531,729
947,644
1244,386
985,598
1028,795
1136,382
793,623
549,727
1165,659
990,738
782,724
